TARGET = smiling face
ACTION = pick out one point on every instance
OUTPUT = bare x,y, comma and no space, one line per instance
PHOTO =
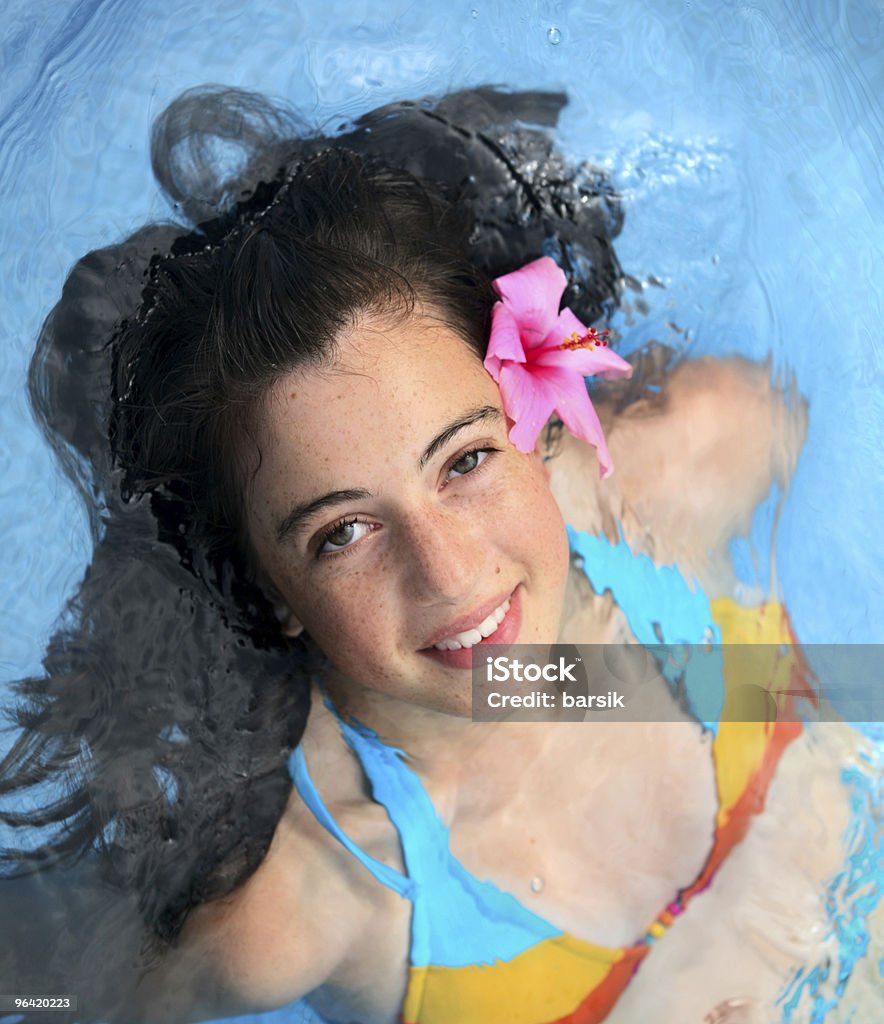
390,512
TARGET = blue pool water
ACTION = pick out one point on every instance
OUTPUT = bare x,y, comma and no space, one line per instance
745,138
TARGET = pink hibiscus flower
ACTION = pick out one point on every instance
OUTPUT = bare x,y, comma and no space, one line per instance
539,357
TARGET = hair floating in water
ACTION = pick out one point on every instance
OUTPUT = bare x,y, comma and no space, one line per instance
170,702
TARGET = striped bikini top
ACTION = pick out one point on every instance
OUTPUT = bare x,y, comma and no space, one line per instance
478,955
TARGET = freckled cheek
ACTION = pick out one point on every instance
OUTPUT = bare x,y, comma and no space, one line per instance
545,536
532,506
348,621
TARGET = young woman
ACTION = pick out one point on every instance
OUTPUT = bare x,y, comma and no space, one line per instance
355,438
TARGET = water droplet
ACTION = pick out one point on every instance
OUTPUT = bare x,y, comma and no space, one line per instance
554,36
536,883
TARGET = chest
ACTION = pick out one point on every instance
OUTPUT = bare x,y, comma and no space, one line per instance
597,835
596,853
596,825
741,939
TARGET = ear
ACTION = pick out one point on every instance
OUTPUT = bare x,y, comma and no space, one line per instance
290,624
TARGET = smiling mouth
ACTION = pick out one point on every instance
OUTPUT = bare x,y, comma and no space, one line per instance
504,631
470,637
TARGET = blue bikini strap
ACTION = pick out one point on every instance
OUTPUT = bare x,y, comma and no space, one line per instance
398,788
310,795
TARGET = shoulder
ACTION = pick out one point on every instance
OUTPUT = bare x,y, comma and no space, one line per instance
694,454
313,915
300,921
262,946
297,923
290,924
712,409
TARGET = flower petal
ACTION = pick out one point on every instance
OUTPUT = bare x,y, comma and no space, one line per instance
533,294
504,344
529,400
577,412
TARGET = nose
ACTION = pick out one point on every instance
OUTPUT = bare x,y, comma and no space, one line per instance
445,556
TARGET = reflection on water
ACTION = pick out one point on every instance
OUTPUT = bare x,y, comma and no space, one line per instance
855,964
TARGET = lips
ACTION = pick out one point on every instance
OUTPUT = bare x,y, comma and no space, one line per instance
505,634
467,622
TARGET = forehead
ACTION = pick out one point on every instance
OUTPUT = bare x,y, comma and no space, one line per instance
382,397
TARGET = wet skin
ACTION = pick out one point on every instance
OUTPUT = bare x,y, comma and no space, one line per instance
430,544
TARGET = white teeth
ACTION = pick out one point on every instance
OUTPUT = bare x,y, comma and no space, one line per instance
471,637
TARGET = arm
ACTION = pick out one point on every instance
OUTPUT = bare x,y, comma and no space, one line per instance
279,936
692,463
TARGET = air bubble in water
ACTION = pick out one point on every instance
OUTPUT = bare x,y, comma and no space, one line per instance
554,36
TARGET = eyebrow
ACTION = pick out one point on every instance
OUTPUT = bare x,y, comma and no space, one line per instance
298,517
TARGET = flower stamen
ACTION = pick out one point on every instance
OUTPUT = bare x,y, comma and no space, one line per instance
592,339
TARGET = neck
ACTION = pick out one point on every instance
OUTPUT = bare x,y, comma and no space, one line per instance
433,739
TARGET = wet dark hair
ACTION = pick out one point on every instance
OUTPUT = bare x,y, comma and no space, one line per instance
254,295
170,704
